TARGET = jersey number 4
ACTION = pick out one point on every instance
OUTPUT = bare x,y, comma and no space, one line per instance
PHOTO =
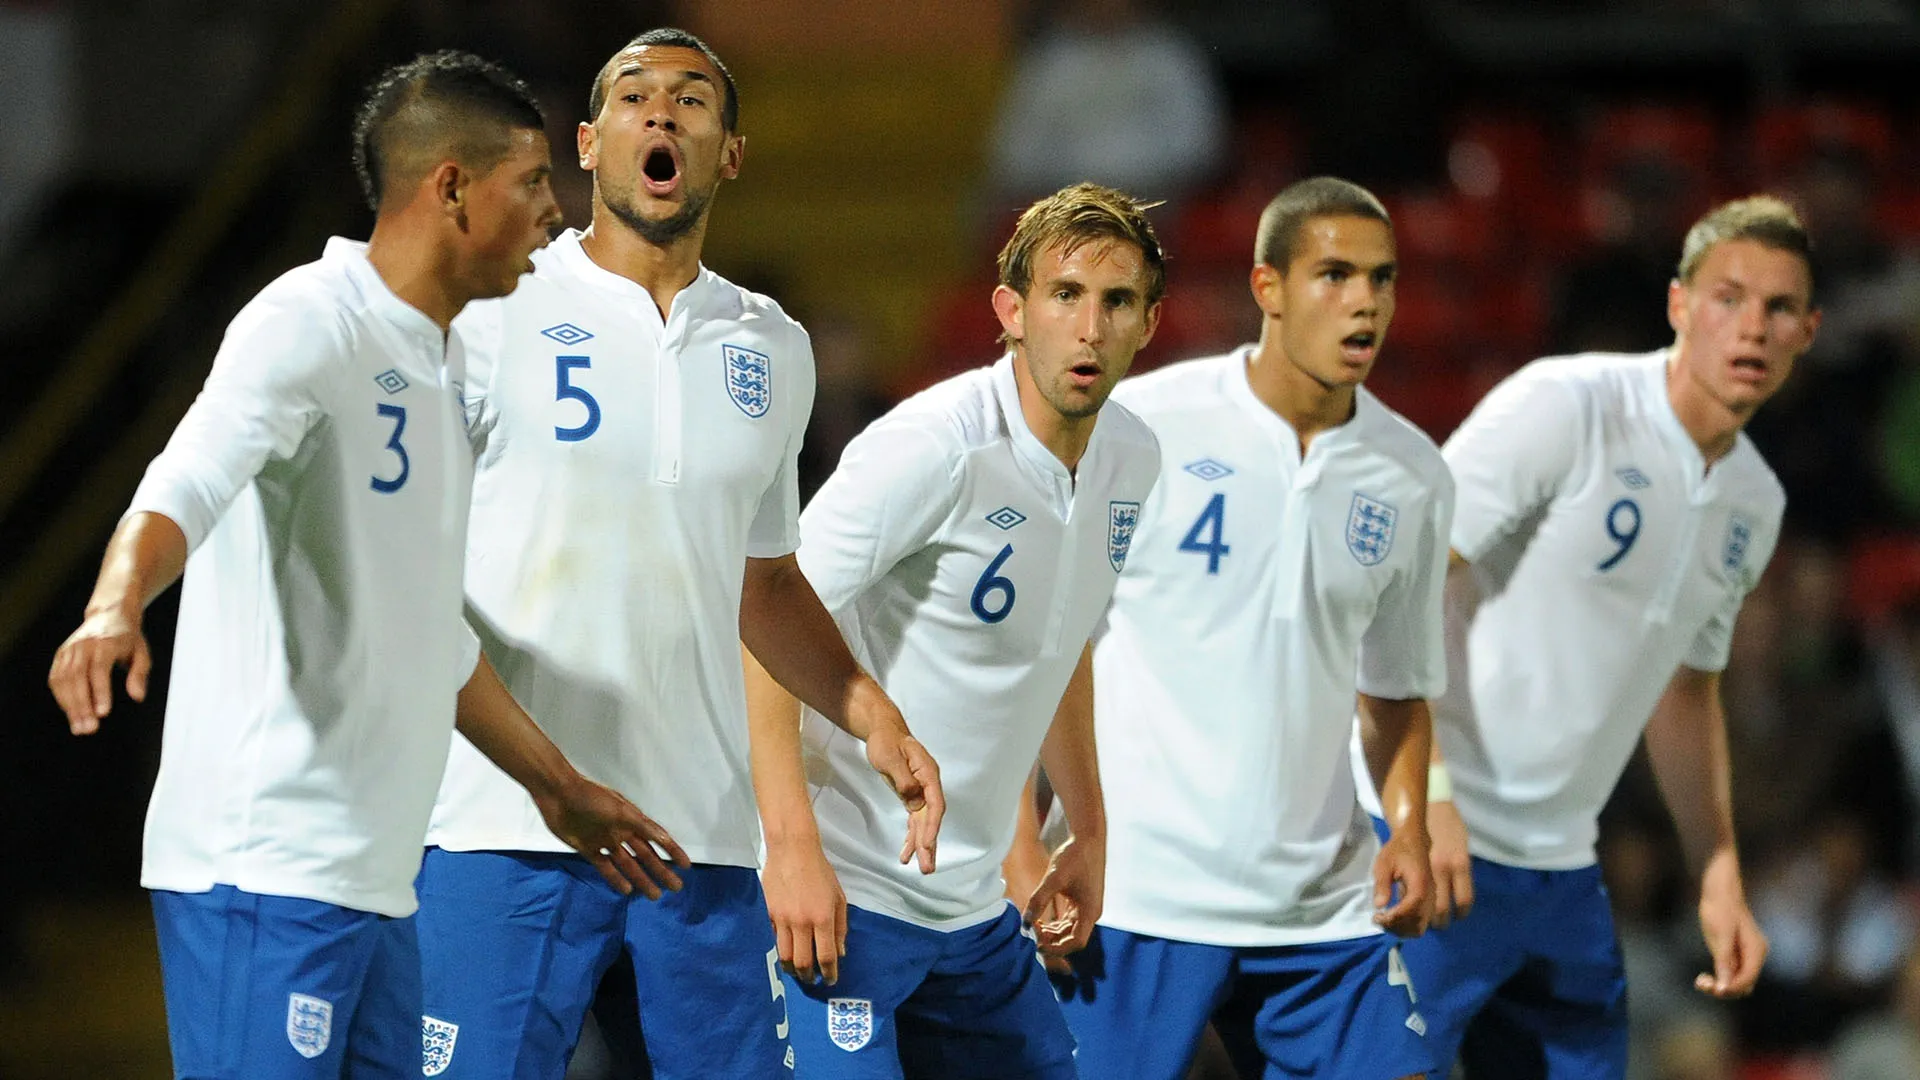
1212,522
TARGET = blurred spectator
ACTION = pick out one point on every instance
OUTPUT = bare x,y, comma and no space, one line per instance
1839,931
1113,94
1656,946
847,397
1696,1046
1819,431
1896,678
1614,299
1884,1046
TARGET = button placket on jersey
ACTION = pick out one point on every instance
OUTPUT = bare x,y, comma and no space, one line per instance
667,406
1066,561
1296,524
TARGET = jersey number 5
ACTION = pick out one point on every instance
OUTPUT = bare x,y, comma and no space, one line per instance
1213,521
992,585
399,414
564,390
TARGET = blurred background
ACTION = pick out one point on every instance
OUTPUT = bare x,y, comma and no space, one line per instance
160,161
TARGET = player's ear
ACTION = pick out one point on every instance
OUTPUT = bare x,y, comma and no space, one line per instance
1011,308
1268,287
449,183
586,138
1677,307
1153,323
733,154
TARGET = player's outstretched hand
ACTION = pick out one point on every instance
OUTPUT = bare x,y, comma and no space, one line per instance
622,843
1452,866
1732,934
1403,861
1066,904
808,909
915,777
82,674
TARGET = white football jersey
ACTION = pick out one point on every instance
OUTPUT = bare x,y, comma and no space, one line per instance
321,479
627,469
1605,554
967,569
1264,590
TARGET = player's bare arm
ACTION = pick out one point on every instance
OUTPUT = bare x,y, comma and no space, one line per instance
1067,902
1446,829
146,555
804,899
800,648
622,843
1396,737
1687,745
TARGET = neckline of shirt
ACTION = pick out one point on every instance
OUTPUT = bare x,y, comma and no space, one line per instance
567,250
1006,388
1240,389
352,255
1702,479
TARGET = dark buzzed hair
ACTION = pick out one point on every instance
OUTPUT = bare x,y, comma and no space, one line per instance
1278,238
673,38
440,106
1762,219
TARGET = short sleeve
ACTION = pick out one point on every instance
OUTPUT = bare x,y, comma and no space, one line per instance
1403,654
889,498
1511,456
277,374
776,524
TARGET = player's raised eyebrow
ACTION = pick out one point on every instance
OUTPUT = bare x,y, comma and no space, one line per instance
635,67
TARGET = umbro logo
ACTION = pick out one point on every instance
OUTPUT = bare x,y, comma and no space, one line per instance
1208,469
1633,478
566,334
391,381
1006,517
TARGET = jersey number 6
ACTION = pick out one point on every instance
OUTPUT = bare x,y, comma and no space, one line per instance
989,585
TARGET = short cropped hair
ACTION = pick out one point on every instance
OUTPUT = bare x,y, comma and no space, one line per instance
1762,219
1078,215
442,105
669,37
1278,239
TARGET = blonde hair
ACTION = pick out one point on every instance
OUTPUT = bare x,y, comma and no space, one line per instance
1078,215
1762,219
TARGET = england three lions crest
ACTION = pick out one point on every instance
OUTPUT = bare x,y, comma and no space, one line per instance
749,379
1122,519
1370,529
436,1045
309,1024
849,1022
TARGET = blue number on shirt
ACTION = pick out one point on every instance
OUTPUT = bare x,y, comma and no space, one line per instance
989,584
1630,510
1213,548
399,414
564,390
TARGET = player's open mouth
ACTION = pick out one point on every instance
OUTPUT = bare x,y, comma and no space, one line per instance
1084,374
1750,368
660,171
1358,347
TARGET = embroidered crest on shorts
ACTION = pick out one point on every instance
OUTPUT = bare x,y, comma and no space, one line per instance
849,1022
749,379
436,1045
1370,529
1122,519
309,1024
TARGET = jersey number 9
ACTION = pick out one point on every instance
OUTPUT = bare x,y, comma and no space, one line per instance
1623,528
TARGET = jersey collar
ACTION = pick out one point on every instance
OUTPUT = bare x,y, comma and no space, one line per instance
569,256
1028,448
351,255
1365,408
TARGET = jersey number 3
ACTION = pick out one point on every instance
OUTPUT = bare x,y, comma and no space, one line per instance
399,415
